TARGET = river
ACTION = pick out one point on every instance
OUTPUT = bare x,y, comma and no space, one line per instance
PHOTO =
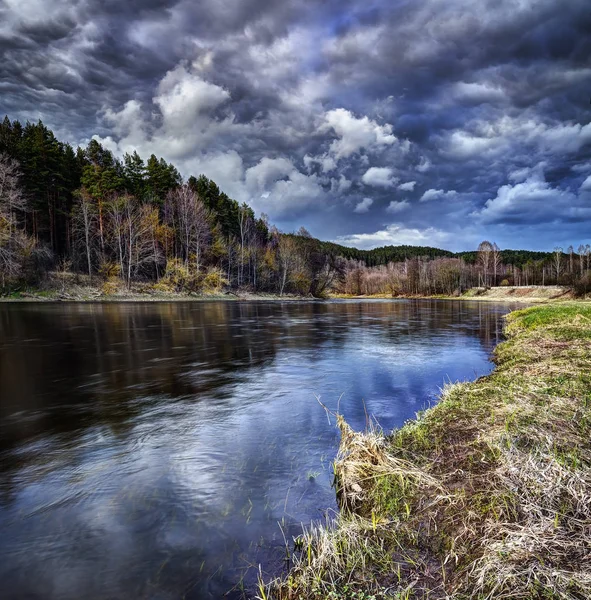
163,450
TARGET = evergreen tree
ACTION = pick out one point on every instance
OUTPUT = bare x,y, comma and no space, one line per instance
135,175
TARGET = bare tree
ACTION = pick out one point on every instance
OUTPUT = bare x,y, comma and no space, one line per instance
581,253
84,218
137,235
12,197
245,222
288,259
155,230
115,210
16,247
496,261
8,256
557,262
324,269
192,220
485,250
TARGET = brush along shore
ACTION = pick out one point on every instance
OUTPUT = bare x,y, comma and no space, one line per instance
486,495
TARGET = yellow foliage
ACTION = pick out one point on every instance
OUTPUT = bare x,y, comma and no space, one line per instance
109,270
214,280
270,260
301,282
177,275
162,286
218,248
110,286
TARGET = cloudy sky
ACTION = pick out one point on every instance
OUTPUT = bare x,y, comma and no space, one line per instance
370,122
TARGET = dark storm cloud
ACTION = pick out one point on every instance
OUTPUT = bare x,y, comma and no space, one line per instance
322,113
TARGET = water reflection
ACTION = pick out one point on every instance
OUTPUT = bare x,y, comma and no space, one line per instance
149,450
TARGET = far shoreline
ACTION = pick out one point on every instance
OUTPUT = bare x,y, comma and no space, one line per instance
516,295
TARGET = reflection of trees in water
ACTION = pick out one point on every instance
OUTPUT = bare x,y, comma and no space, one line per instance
65,368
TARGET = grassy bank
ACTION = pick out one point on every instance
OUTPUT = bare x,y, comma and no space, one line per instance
486,495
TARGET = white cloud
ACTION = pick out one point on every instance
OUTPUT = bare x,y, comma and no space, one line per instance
533,200
464,145
357,41
397,206
326,161
295,193
408,186
180,124
363,206
477,93
424,165
267,171
586,185
379,177
582,168
16,12
519,175
128,121
496,138
396,234
565,137
183,97
432,194
221,166
356,134
277,187
340,185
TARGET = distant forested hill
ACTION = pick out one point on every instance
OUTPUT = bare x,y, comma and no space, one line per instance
385,254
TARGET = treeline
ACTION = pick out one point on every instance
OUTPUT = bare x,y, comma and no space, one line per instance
487,267
385,254
129,221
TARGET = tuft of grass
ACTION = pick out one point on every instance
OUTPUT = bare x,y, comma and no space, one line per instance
486,495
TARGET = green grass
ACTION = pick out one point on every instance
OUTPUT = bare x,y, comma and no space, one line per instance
552,314
486,495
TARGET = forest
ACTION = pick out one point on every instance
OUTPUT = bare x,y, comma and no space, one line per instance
123,223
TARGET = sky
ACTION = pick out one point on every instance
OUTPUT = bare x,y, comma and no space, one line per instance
369,122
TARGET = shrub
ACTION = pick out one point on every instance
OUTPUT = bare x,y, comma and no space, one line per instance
301,282
505,283
214,280
582,286
109,270
110,286
177,276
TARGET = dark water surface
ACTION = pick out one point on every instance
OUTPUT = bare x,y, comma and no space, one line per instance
150,450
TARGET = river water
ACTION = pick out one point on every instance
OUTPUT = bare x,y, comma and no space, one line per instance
163,450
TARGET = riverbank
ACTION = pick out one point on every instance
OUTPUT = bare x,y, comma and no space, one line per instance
89,292
525,294
486,495
95,294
